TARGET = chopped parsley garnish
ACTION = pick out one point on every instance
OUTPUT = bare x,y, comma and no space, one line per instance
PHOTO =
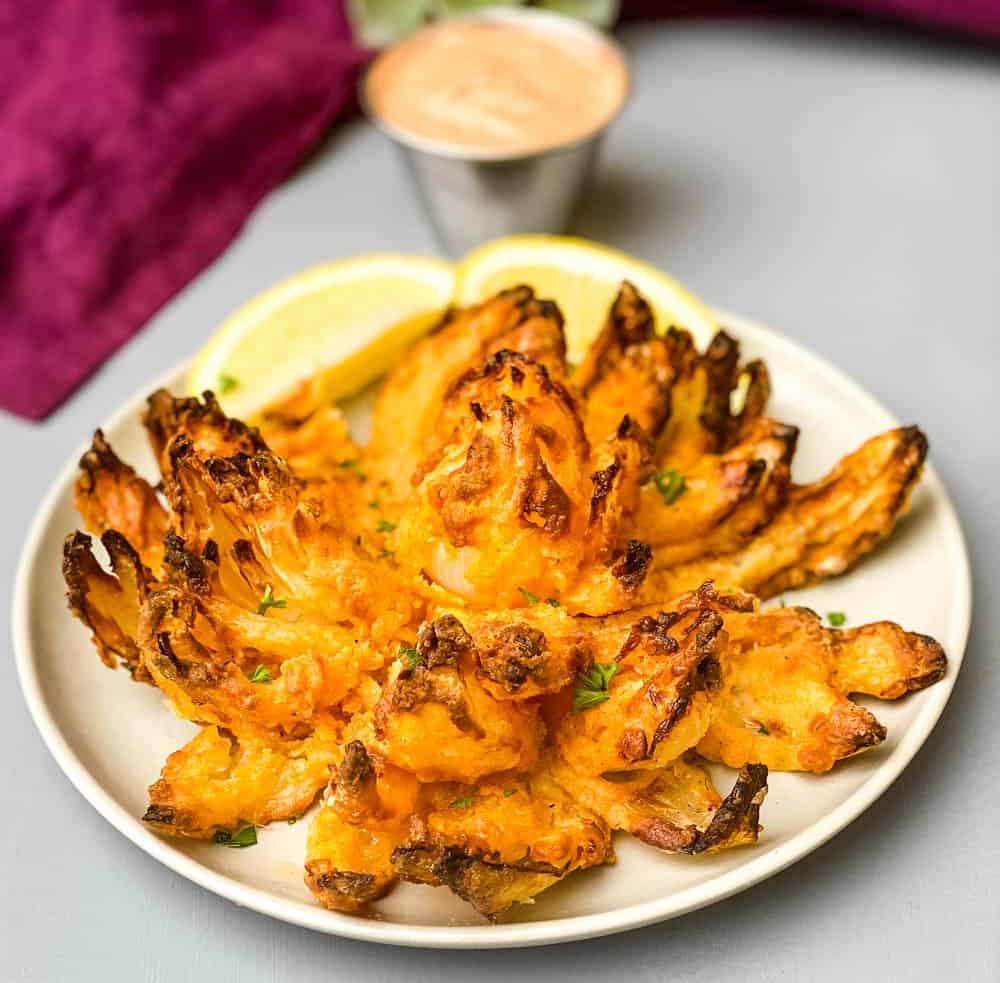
592,686
781,601
268,600
552,602
529,598
670,484
245,837
260,675
508,792
412,656
837,618
463,803
352,464
384,525
227,383
374,504
292,820
385,553
762,729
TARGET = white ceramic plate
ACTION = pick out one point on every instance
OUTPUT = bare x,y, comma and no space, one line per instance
920,579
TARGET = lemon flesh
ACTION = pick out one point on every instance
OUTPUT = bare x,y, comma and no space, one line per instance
582,277
347,320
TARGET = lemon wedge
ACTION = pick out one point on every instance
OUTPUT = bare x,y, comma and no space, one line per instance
582,277
346,321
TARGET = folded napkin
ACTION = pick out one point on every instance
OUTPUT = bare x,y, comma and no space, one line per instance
138,135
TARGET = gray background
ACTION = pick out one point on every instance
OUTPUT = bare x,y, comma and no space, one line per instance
840,183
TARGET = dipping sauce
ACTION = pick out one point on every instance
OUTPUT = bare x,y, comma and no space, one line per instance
498,86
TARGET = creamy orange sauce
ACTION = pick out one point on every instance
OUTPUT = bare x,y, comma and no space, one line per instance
497,86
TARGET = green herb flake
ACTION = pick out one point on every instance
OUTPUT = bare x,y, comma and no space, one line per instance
352,464
260,675
552,602
781,601
412,656
374,504
837,619
384,554
529,598
226,384
268,601
762,729
592,686
508,792
292,820
463,803
670,484
245,837
384,525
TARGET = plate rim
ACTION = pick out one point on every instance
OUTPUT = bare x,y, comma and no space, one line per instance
518,934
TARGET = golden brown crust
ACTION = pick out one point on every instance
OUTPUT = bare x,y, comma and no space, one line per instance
108,604
784,700
362,820
823,529
502,842
468,625
220,782
675,808
109,495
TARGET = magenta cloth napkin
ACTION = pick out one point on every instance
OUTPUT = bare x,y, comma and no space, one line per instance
137,137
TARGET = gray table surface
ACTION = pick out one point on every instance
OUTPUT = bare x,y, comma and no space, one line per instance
839,183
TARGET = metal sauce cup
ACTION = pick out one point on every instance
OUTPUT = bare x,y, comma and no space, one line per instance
472,196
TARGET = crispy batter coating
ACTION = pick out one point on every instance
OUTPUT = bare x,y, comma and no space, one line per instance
512,504
823,529
675,808
494,631
407,408
108,604
109,495
502,842
270,529
436,719
628,370
203,652
727,498
311,434
659,699
364,818
220,782
784,694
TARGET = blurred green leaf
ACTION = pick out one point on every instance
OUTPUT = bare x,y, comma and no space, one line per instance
600,13
451,8
380,22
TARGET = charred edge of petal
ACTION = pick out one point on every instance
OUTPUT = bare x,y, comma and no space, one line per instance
100,457
190,568
631,317
356,771
520,654
544,498
739,813
350,889
720,361
161,815
630,569
443,641
604,482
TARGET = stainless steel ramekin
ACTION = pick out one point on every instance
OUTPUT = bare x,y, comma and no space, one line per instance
473,196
